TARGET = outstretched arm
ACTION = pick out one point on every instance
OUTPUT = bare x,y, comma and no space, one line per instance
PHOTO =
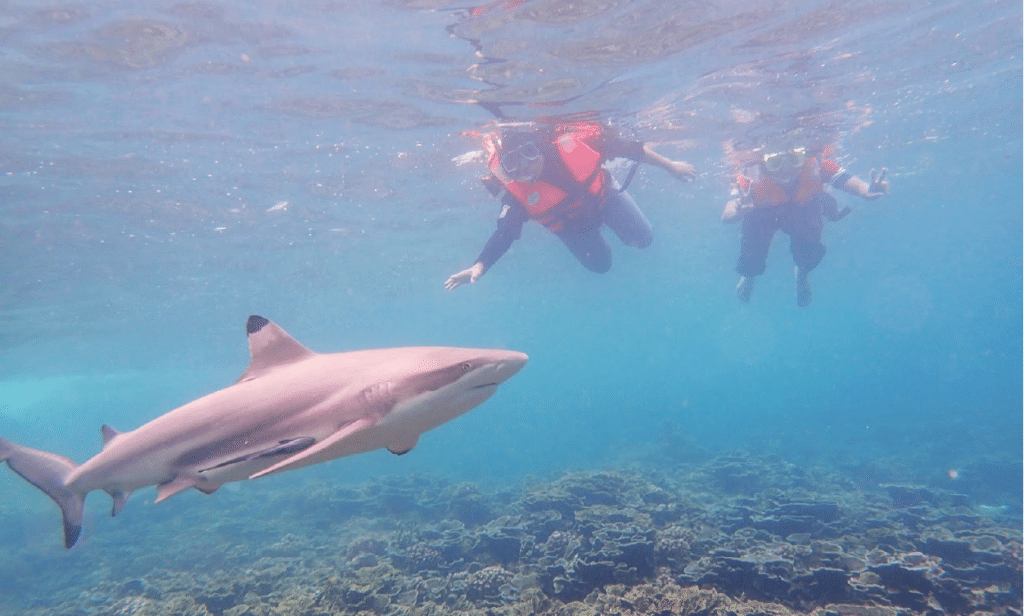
680,169
510,227
875,189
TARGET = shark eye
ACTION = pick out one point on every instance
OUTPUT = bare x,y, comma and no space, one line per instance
466,366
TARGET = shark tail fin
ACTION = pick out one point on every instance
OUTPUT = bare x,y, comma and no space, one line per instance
48,472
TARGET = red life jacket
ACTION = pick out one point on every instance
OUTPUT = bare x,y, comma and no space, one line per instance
766,192
548,204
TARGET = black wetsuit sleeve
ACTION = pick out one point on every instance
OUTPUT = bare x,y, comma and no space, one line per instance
510,226
612,145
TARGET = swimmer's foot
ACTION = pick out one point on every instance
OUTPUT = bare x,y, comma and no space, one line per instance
744,288
803,287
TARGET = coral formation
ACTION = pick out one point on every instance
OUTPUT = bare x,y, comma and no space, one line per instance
736,535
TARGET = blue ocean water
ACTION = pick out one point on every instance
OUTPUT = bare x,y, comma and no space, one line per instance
167,169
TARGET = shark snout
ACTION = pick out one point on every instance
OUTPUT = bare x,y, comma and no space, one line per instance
508,365
499,368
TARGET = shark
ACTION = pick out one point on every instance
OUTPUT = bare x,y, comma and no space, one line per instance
292,407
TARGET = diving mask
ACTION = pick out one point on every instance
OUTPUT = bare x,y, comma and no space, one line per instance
517,159
777,160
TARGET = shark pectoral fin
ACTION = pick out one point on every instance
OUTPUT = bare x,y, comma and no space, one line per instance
296,460
287,446
178,484
284,447
403,446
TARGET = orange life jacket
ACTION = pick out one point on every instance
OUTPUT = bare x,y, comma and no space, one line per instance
766,192
548,204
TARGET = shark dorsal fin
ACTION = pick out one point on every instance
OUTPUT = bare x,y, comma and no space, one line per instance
270,346
109,434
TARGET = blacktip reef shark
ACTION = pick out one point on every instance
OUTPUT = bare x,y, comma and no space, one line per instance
291,408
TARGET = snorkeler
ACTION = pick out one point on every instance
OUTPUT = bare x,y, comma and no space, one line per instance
785,189
554,175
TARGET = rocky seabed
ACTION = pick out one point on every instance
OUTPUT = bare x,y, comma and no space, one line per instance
737,535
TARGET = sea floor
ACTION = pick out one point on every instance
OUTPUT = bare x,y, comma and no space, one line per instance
731,535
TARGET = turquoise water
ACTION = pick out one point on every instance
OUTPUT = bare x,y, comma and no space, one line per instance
144,150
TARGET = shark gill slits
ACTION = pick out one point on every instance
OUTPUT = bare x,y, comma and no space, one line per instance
255,324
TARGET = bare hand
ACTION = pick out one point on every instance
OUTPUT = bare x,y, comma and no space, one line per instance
682,170
469,275
878,187
733,210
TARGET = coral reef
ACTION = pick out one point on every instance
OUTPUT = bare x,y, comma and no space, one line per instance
733,536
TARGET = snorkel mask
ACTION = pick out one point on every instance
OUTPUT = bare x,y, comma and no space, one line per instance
777,161
519,157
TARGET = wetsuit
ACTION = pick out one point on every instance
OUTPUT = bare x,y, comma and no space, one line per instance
582,232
